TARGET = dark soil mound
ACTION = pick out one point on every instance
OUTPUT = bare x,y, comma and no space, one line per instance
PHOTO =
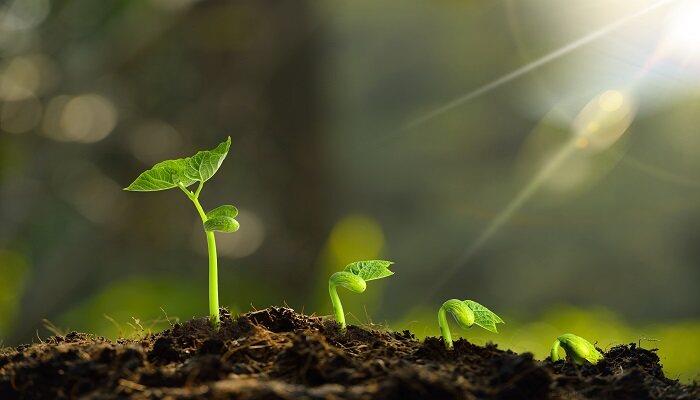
278,354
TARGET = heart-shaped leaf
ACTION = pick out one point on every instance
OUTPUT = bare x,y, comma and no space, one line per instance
186,171
221,224
484,317
223,211
204,164
370,269
162,176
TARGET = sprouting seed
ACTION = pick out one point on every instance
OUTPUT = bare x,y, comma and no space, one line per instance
467,313
354,277
578,349
183,173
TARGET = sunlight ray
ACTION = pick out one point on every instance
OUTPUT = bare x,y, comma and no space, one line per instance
547,58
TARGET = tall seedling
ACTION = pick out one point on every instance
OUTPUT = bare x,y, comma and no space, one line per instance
183,173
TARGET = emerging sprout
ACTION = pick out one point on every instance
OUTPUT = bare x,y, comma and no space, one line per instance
183,173
354,277
578,349
466,313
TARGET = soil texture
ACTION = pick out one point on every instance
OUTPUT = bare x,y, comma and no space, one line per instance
277,353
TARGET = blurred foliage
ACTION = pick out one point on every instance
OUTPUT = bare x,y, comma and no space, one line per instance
13,270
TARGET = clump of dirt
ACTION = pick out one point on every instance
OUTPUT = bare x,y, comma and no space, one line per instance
277,353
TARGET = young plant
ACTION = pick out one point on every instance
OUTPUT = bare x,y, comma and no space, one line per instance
466,313
183,173
354,277
578,349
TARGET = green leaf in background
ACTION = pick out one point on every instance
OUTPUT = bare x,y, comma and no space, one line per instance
370,270
170,173
484,317
223,211
221,224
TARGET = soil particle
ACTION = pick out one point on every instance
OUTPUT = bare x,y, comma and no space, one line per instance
277,353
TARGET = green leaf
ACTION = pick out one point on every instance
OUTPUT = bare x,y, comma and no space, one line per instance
164,175
484,317
204,164
370,269
170,173
221,224
223,211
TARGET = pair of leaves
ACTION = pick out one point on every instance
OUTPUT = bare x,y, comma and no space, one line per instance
370,269
186,171
222,219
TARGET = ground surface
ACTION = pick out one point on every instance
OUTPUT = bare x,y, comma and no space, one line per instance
278,354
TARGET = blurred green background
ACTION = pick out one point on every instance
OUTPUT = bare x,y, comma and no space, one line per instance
565,199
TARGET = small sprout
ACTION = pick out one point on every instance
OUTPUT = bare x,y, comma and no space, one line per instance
466,313
183,173
578,349
354,277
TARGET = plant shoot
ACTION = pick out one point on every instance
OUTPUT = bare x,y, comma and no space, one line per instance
354,277
578,349
467,313
183,173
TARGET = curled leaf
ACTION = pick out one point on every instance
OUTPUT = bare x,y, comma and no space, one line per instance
579,350
461,313
349,281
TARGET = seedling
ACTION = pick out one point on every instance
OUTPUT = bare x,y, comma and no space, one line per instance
578,349
467,313
354,277
183,173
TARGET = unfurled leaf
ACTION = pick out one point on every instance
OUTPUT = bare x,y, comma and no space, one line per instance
221,224
223,211
484,317
370,270
170,173
164,175
204,164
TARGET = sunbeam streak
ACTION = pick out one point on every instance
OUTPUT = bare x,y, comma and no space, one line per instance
598,126
530,66
505,215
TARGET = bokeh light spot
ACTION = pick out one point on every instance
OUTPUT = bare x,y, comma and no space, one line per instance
86,118
152,141
604,120
19,79
355,237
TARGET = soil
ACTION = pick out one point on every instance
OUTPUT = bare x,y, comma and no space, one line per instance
277,353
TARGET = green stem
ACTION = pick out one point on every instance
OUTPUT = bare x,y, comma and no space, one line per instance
337,306
213,268
554,352
444,328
